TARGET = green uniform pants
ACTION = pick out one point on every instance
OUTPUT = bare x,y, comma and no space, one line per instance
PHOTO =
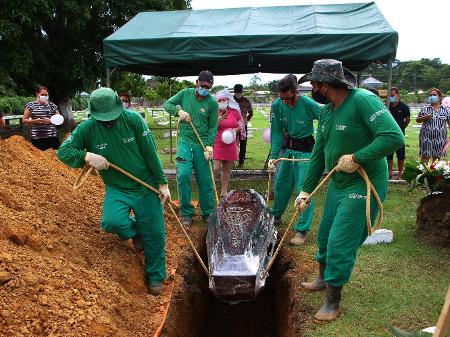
292,174
343,229
148,223
192,157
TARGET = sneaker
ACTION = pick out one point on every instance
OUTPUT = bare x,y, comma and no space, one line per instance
137,243
155,288
186,221
277,220
298,239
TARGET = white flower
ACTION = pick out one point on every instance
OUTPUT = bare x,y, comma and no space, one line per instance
421,167
440,165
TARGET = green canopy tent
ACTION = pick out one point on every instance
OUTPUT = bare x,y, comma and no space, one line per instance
284,39
228,41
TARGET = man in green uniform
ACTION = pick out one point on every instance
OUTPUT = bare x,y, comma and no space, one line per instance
120,136
355,129
195,105
292,122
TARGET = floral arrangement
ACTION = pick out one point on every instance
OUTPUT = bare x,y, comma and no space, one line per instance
433,176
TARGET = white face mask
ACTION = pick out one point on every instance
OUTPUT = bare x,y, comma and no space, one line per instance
43,98
223,105
125,105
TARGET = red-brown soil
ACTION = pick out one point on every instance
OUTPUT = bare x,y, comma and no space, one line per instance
61,275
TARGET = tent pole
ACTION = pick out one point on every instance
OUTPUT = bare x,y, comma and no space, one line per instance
109,72
170,126
388,89
108,77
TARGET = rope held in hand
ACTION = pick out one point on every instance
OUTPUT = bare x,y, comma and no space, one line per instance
209,161
87,170
370,189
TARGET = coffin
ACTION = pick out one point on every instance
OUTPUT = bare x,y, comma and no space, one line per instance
240,242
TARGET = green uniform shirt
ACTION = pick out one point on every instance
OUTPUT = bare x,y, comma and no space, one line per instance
297,121
362,126
128,144
204,115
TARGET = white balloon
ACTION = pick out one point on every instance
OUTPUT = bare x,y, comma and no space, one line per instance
57,119
228,136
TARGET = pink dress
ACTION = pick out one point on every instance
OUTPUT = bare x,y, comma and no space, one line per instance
221,150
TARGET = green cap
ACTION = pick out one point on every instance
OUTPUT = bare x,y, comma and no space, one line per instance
104,104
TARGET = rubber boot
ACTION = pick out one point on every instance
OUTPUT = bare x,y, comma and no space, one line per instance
155,288
137,243
318,283
330,309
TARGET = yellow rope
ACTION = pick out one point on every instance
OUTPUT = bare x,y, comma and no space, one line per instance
209,162
84,175
370,188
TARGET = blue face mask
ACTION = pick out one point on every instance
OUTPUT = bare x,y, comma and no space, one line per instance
202,91
392,99
433,99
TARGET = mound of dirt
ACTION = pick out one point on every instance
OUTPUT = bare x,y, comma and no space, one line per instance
60,274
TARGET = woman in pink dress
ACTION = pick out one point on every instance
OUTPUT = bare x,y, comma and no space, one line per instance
225,154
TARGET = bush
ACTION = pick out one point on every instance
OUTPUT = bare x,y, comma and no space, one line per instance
14,105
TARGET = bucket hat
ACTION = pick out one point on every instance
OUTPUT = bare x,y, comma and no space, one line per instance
330,71
104,104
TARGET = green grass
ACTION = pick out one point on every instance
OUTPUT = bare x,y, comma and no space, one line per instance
403,283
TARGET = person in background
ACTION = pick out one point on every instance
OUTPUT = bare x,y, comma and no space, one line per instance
433,134
401,114
126,100
195,105
122,137
292,116
225,154
43,133
247,113
355,129
2,119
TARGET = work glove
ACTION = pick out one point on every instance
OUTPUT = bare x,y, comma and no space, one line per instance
96,161
346,164
271,165
165,193
208,152
184,116
300,201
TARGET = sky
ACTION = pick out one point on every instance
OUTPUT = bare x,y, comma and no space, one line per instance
423,28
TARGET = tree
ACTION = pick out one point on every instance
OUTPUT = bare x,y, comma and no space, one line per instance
255,80
132,83
59,43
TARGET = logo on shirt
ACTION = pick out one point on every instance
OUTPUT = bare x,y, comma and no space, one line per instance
340,127
300,121
376,114
202,110
356,196
128,140
146,133
101,146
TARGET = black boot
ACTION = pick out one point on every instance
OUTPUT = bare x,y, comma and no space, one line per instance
330,309
137,243
318,283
